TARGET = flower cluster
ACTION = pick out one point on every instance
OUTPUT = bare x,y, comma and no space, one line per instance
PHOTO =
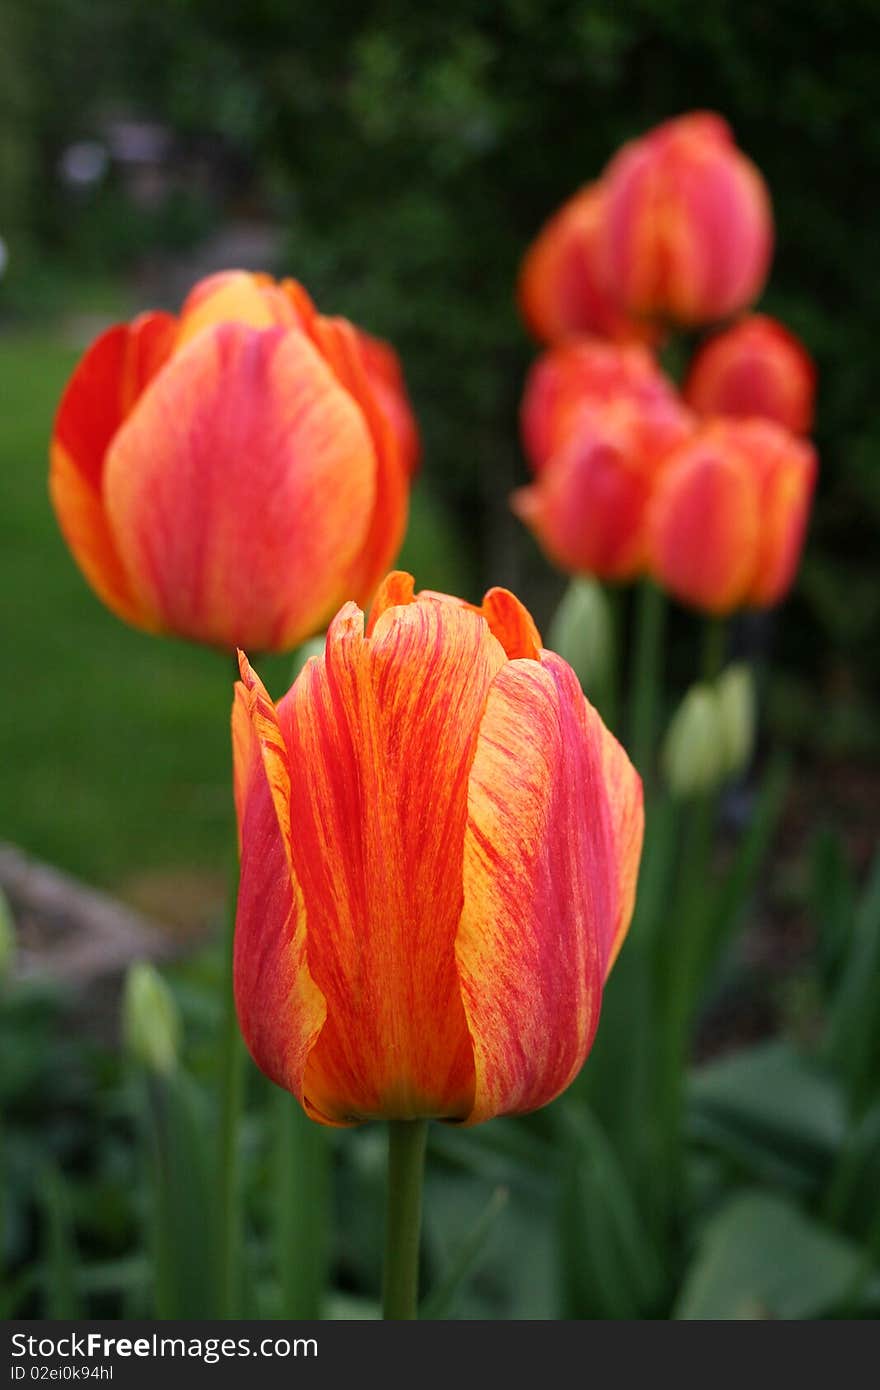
706,490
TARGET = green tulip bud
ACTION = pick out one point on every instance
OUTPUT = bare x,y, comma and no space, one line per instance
581,632
736,704
150,1019
694,754
7,937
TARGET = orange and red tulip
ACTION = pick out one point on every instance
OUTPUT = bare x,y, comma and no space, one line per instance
230,475
686,232
439,850
757,367
729,514
560,291
586,373
597,422
588,506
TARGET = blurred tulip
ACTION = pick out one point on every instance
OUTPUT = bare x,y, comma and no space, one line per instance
584,373
229,476
687,229
693,753
583,634
560,292
728,518
755,368
150,1019
598,423
440,842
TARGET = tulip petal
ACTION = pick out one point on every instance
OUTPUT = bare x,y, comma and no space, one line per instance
540,890
789,477
280,1009
623,787
103,389
704,527
245,455
235,296
338,341
380,735
395,591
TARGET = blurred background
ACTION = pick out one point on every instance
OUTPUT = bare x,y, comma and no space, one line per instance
397,160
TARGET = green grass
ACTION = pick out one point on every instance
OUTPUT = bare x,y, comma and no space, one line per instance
115,745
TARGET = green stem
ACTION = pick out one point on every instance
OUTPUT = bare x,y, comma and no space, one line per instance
714,648
406,1166
646,675
302,1189
231,1080
609,707
231,1092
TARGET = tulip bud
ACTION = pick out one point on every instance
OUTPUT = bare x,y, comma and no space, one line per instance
735,693
581,633
687,229
560,290
7,937
693,755
233,474
729,513
755,368
440,844
150,1019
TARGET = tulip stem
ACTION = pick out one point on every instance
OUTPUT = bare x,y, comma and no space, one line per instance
403,1224
714,648
646,674
231,1089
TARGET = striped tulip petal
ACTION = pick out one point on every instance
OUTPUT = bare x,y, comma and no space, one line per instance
106,385
280,1009
539,891
381,734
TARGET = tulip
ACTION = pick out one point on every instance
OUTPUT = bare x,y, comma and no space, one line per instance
693,752
150,1019
686,232
735,691
755,368
439,849
727,521
581,373
600,425
229,476
560,291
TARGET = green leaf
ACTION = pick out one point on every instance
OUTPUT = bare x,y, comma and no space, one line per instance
739,881
610,1268
832,902
466,1259
772,1111
61,1258
854,1022
762,1258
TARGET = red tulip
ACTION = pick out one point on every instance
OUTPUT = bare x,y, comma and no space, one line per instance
687,228
730,511
755,368
440,843
560,291
586,373
229,476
